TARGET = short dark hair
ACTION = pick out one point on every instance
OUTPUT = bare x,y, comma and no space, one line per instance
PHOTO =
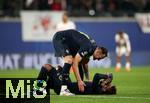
112,90
104,51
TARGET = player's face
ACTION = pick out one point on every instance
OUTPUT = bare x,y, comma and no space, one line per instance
98,54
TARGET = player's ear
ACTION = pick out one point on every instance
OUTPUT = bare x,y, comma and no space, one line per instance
104,51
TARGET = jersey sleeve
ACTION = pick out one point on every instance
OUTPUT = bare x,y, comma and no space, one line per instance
127,42
126,37
117,38
73,26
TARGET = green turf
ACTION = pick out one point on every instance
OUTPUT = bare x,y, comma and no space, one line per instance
132,87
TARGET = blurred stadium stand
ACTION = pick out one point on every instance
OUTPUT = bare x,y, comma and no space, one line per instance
11,8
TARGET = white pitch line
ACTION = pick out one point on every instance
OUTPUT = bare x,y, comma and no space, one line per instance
108,97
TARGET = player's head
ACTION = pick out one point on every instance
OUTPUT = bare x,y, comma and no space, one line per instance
108,88
100,53
111,90
65,17
121,34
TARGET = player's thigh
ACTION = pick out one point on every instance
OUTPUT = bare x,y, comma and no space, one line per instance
61,48
120,51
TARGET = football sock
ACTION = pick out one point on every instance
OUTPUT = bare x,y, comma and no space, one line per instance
118,65
43,74
128,65
65,73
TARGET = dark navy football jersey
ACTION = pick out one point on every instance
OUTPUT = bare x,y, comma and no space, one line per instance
78,42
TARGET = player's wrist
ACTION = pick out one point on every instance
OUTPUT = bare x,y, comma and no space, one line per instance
79,81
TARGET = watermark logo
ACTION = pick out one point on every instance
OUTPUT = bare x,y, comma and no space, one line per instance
24,89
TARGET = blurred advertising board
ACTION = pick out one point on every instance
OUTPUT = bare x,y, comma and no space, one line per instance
36,60
26,60
39,25
144,21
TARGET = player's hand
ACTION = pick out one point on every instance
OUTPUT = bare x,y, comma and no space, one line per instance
81,85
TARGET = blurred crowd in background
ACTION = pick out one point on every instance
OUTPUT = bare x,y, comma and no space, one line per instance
78,8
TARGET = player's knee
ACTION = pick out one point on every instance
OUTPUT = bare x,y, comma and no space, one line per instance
68,60
47,66
97,74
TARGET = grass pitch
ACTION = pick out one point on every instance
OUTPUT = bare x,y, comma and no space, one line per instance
132,87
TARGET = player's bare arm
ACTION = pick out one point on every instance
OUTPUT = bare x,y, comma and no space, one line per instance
86,71
85,67
76,61
118,44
